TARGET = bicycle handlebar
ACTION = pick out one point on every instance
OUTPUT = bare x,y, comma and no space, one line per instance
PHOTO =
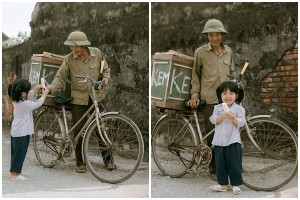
242,72
96,84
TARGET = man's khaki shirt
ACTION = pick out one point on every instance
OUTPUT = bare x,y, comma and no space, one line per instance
209,71
72,66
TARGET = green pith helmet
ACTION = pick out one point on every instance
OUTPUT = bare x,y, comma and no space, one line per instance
214,26
77,38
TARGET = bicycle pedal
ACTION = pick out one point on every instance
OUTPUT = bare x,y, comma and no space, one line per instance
191,171
55,162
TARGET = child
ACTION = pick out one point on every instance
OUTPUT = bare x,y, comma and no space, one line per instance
227,140
22,126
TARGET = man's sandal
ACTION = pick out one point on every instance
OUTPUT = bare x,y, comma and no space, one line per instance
81,169
218,188
110,166
236,190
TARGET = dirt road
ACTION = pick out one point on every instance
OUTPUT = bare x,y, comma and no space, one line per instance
62,181
197,186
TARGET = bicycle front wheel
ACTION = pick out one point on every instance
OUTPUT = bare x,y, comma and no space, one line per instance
173,146
126,150
47,138
269,154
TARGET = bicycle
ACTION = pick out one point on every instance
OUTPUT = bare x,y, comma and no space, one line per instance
269,148
112,132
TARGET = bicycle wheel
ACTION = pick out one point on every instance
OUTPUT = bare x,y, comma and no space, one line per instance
46,138
173,146
275,163
126,151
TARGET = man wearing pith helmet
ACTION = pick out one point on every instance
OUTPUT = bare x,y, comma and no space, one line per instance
83,60
213,65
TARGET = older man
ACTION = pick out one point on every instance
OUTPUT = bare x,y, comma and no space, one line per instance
213,65
82,60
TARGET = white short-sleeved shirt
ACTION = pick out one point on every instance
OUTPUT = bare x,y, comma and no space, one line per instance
22,124
226,132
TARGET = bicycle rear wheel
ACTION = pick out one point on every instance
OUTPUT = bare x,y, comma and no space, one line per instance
46,138
275,164
173,146
127,148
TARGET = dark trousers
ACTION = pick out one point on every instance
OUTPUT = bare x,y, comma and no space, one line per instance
207,113
229,163
19,147
77,112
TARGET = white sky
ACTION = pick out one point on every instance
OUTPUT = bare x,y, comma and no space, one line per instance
16,17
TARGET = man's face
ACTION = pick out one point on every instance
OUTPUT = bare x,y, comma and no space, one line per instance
77,50
214,38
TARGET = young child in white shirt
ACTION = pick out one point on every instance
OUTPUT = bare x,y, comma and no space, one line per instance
227,139
24,102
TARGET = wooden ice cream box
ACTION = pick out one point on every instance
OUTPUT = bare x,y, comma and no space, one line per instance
46,66
171,80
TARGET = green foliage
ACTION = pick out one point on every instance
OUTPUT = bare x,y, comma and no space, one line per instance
21,37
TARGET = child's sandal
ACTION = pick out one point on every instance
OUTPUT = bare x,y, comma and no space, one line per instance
18,178
236,190
218,188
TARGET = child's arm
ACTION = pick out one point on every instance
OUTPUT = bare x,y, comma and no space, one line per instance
238,120
32,93
37,88
32,105
232,118
216,118
221,117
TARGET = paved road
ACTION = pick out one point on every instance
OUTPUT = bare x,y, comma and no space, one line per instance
192,186
63,181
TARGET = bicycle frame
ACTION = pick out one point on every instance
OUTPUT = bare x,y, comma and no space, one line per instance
202,138
96,114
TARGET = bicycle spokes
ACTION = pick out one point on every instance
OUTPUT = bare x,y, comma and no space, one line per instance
274,163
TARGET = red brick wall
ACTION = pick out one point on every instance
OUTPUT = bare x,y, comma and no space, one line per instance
280,87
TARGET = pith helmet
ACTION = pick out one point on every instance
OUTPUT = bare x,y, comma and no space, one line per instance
77,38
214,26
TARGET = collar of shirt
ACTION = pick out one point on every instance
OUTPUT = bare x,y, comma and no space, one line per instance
209,47
232,108
91,53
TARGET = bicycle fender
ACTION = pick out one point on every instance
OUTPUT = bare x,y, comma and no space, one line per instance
87,128
102,115
259,116
164,116
109,113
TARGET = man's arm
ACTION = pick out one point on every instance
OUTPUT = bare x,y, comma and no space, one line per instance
106,71
196,77
60,77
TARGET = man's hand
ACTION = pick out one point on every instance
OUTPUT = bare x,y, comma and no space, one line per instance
194,103
45,92
105,81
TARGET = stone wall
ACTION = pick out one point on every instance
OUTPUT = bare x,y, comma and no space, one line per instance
119,30
262,33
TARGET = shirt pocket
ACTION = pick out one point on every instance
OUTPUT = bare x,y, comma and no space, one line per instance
94,69
94,64
227,62
210,70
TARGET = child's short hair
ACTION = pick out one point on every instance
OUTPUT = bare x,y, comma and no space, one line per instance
233,87
17,88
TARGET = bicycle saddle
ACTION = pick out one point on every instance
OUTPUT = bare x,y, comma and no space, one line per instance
62,100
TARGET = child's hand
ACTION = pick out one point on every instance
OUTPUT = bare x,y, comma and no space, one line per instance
221,117
37,88
232,118
230,115
45,91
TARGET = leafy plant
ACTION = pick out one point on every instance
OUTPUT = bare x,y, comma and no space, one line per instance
21,37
